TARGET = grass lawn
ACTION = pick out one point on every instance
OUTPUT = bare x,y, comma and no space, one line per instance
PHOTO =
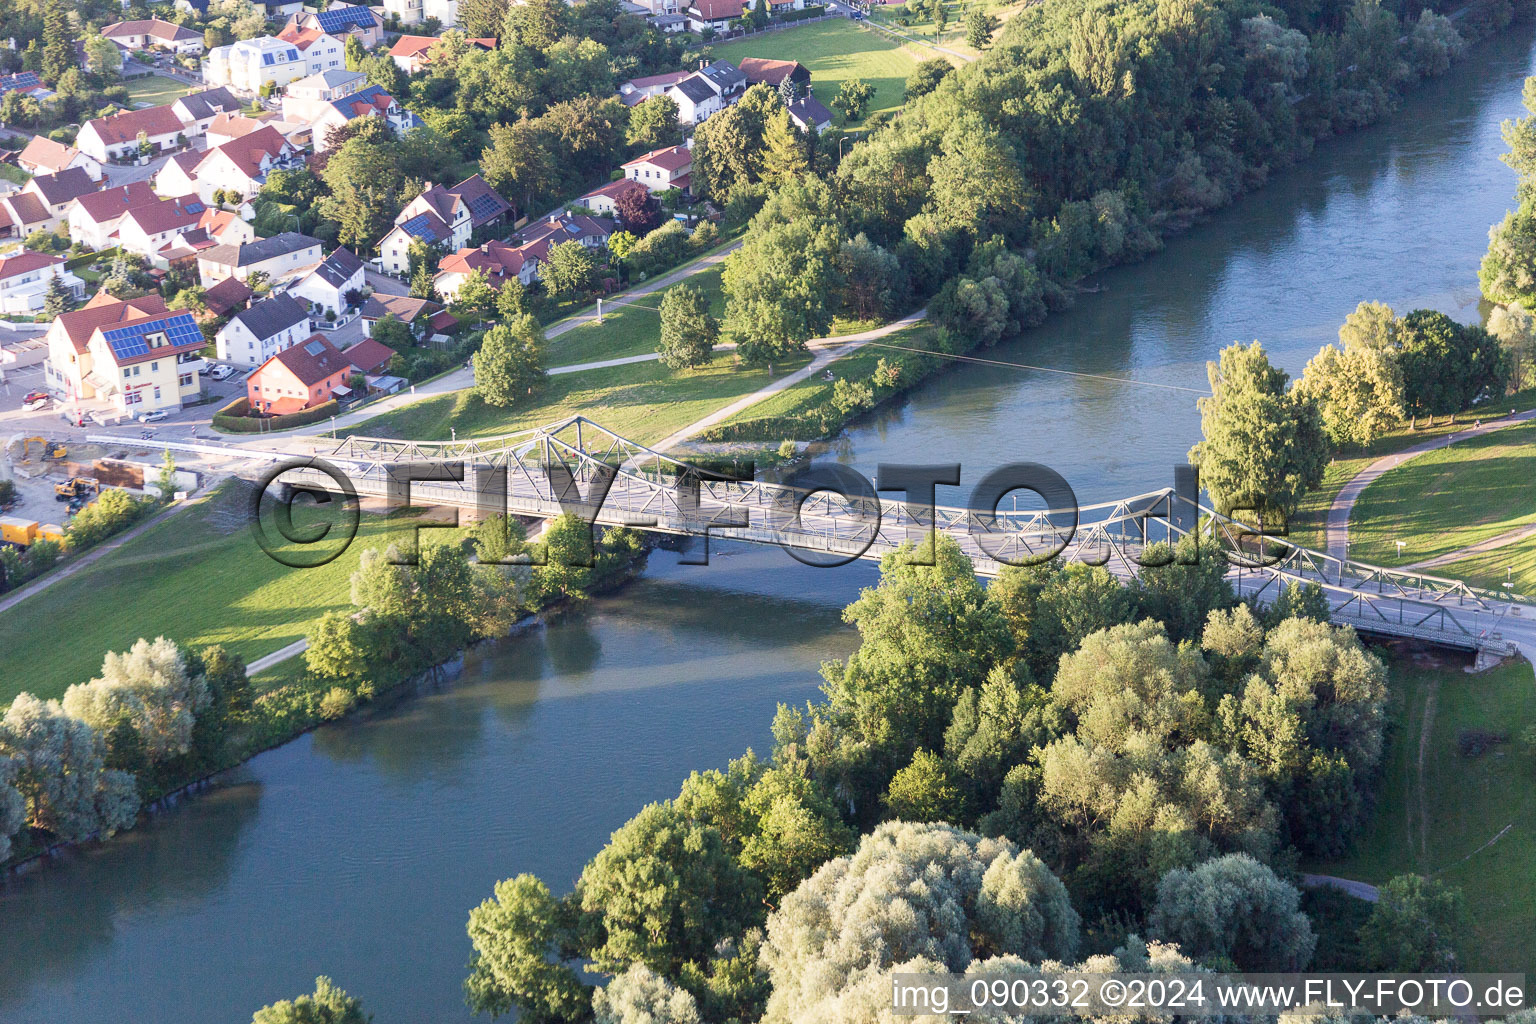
642,401
835,51
1438,811
155,90
626,331
15,174
198,578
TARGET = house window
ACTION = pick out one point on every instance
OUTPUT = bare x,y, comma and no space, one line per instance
184,380
157,393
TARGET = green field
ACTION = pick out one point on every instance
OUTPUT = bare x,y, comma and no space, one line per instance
1445,815
625,330
1443,500
15,174
155,90
198,578
835,51
642,401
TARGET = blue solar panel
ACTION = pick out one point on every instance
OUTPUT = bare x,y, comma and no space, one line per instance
22,80
344,17
483,206
419,227
128,342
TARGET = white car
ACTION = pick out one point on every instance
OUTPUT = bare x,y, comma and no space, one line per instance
153,417
34,404
221,372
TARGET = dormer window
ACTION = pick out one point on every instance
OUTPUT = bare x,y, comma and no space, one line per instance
157,339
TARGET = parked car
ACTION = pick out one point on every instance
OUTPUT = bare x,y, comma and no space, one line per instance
153,417
34,401
221,372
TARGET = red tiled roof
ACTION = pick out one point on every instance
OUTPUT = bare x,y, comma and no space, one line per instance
246,151
114,202
125,127
152,27
443,321
668,158
166,215
714,10
41,152
762,69
227,294
370,356
498,259
26,261
105,311
303,38
28,207
309,368
417,46
614,189
662,80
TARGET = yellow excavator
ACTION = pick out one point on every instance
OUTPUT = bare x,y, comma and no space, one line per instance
48,449
76,487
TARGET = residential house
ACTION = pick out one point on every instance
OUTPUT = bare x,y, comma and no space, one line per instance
372,101
44,156
407,12
638,90
42,203
326,86
25,278
326,286
412,53
710,89
249,64
298,378
670,24
322,51
147,363
655,7
604,199
228,296
408,309
171,232
93,218
276,257
241,165
369,357
499,262
154,33
443,217
197,8
117,137
662,169
199,109
69,370
271,9
27,83
761,70
537,238
340,21
715,14
214,227
255,335
229,127
808,113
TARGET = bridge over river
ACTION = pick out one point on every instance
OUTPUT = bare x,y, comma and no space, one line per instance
580,466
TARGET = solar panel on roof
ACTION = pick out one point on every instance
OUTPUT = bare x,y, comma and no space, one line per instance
128,342
314,348
342,17
483,206
419,227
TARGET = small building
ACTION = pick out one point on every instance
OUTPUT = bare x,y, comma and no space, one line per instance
42,203
152,33
539,237
638,90
670,24
258,333
413,53
328,284
276,257
44,156
26,276
808,113
94,217
300,377
117,137
372,101
69,368
199,109
604,199
408,309
444,217
249,64
662,169
708,90
326,86
499,262
714,14
228,296
145,230
147,363
762,70
27,83
370,357
340,21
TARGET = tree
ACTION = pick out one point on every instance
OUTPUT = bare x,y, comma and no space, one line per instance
1515,329
475,298
329,1004
924,791
664,892
510,363
58,43
654,125
874,282
785,155
688,332
518,164
926,77
638,210
149,688
640,996
355,53
853,98
1508,272
1264,446
977,183
781,288
1446,365
515,934
927,890
1415,926
167,481
979,26
58,768
421,268
569,268
1358,392
1236,909
364,185
58,298
103,56
482,19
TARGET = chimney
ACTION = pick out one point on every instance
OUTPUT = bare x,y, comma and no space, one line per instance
703,64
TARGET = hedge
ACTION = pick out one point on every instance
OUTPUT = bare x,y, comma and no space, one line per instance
86,259
236,418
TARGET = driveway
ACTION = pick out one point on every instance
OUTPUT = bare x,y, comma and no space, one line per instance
384,284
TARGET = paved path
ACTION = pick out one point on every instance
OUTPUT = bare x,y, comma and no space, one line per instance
1344,502
1504,539
1359,890
828,350
280,655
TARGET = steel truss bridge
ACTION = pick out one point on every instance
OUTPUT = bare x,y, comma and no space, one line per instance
565,467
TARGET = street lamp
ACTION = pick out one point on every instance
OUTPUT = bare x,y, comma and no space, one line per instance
840,142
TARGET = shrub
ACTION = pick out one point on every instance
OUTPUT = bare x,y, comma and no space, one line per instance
1477,742
336,702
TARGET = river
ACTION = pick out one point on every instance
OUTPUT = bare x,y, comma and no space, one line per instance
357,850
